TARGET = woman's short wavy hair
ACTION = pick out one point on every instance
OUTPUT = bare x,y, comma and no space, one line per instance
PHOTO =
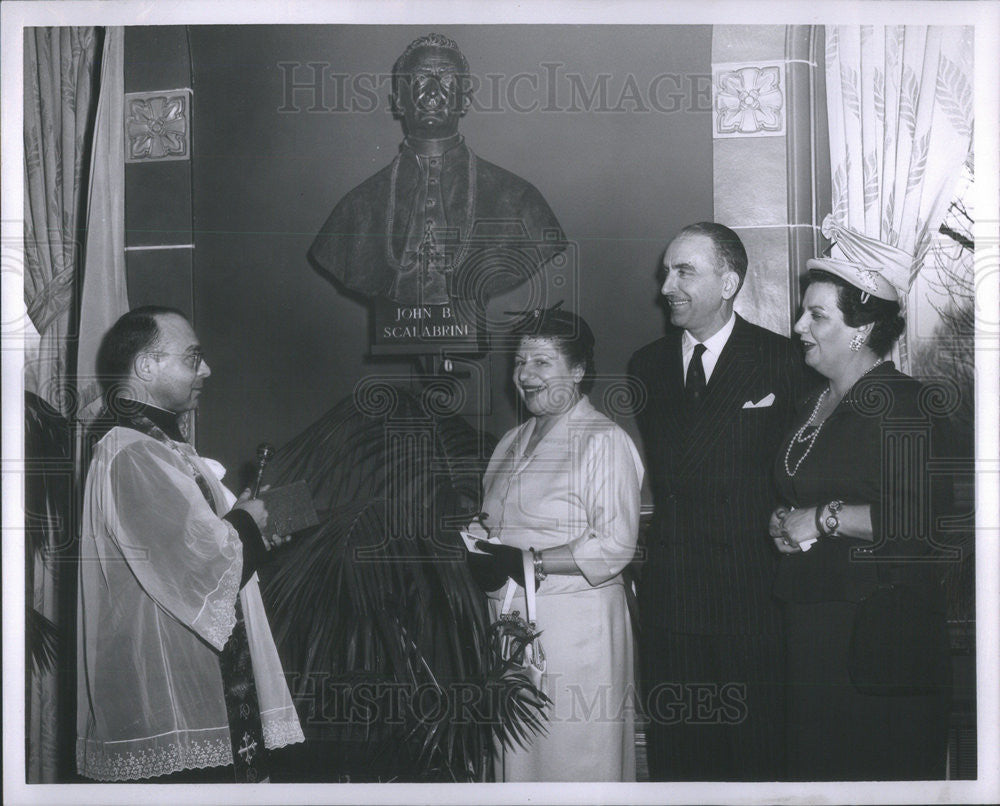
860,309
570,334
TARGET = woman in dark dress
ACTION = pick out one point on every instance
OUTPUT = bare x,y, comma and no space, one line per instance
859,516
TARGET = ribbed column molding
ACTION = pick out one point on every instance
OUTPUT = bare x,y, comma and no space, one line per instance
771,161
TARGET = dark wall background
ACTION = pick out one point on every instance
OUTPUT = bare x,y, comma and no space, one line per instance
284,344
158,195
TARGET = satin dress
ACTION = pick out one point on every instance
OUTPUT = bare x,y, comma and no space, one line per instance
579,487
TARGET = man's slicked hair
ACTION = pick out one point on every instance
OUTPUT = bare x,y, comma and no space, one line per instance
135,332
729,248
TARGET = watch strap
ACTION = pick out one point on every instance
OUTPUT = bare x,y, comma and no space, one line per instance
828,524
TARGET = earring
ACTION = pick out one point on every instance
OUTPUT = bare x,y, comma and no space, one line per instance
857,341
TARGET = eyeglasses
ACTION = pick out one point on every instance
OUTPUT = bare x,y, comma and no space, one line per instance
193,359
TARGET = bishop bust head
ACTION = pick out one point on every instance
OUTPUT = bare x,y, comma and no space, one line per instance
429,89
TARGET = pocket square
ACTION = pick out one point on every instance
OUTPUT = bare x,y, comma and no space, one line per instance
763,403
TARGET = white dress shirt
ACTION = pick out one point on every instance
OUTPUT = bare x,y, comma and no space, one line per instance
713,347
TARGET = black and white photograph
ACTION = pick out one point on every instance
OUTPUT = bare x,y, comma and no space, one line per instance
501,403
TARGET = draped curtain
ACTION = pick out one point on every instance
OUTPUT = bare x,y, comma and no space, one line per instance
59,79
58,125
74,288
900,105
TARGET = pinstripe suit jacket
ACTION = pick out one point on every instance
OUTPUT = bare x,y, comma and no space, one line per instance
709,563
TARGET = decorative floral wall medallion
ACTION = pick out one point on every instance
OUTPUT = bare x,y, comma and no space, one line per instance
158,126
748,100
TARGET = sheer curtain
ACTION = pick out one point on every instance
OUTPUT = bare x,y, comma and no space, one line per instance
901,113
73,240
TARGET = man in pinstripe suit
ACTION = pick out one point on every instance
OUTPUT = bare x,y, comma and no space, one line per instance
719,393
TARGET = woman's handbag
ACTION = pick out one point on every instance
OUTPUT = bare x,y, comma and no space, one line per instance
514,641
899,644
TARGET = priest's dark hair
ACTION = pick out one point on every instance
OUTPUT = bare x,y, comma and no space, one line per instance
569,332
133,333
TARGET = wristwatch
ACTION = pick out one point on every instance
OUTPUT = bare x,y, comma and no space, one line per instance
831,523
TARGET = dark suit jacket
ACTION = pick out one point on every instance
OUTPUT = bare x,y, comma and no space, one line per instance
710,565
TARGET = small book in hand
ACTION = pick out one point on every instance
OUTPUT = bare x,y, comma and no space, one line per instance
289,509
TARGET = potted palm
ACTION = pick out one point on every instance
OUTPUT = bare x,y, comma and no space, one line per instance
380,626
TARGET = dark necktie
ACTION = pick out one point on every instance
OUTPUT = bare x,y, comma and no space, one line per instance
694,383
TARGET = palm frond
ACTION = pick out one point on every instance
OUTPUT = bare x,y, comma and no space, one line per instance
47,482
337,456
379,595
42,636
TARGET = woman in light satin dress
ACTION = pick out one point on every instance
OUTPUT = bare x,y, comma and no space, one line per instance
564,486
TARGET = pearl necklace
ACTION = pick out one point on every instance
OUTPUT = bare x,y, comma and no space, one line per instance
800,436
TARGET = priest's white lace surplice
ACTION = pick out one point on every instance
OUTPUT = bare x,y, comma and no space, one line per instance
159,576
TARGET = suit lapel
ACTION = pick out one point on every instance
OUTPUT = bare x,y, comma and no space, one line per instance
734,371
671,385
727,389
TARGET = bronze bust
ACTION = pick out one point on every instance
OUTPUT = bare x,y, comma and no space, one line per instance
438,223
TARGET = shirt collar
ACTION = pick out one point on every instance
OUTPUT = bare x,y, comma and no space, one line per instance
432,148
163,419
713,343
581,410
